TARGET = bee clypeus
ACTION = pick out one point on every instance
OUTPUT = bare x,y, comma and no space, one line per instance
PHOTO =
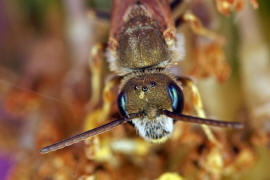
142,44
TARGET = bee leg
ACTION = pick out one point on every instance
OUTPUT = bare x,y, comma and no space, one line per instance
208,56
212,161
109,95
99,14
95,65
197,105
197,27
178,8
175,3
178,21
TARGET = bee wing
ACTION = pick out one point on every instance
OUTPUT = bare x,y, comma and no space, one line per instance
158,10
119,9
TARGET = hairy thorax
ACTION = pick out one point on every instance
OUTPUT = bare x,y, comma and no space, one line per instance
141,44
143,41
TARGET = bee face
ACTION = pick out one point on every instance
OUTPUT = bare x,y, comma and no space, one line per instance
148,93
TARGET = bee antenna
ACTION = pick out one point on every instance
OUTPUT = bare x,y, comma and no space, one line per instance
197,120
82,136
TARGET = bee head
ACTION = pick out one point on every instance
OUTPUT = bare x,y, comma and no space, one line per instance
148,93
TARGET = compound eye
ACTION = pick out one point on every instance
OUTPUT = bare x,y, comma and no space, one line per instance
177,98
122,104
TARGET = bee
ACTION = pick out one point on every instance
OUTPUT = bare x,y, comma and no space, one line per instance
142,45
